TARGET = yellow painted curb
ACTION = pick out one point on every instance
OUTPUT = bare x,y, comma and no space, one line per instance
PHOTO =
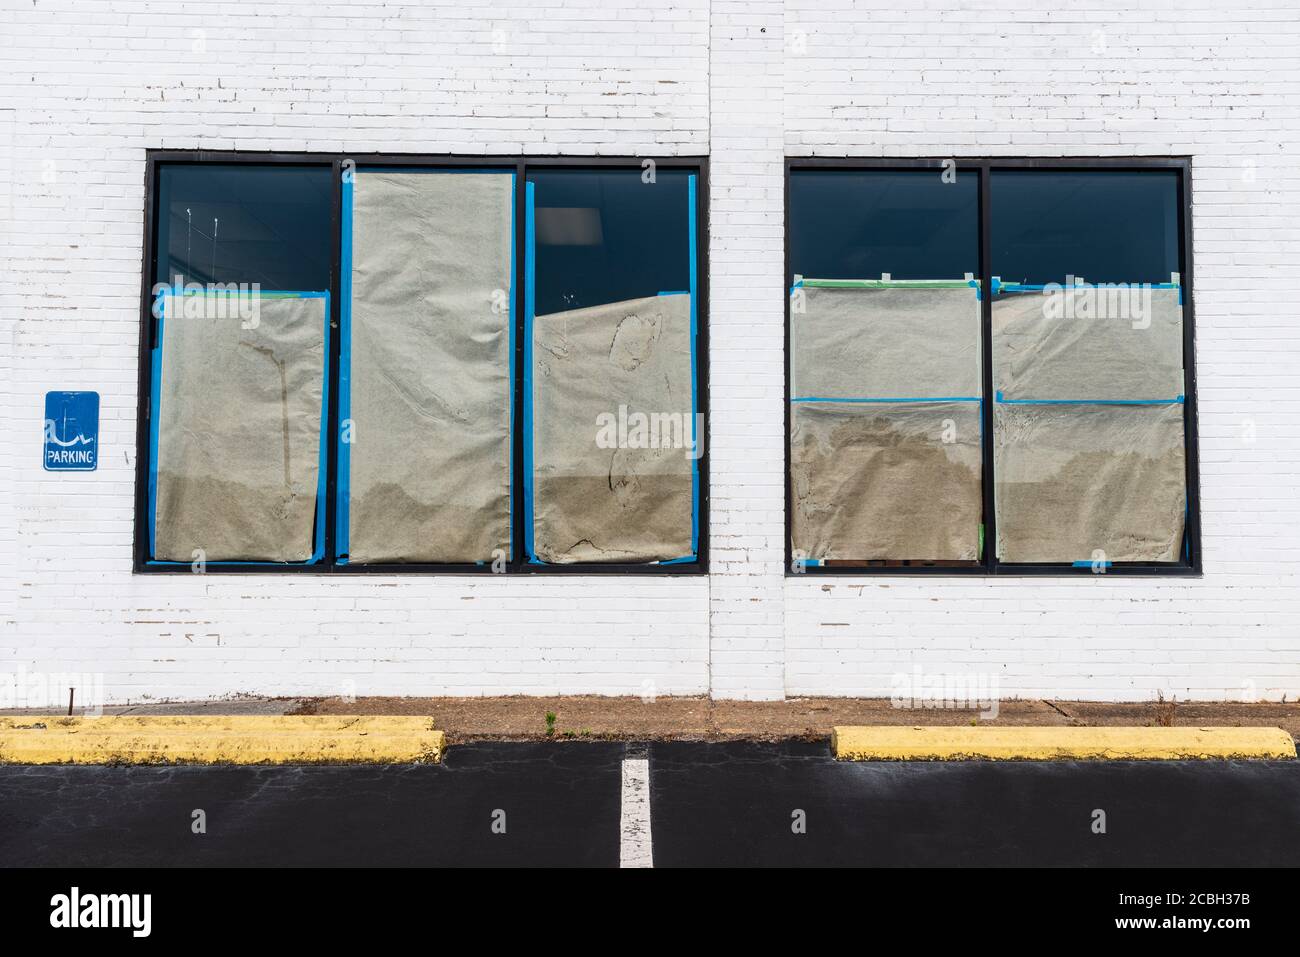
958,743
219,739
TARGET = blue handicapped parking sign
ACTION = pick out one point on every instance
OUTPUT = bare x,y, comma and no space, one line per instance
71,431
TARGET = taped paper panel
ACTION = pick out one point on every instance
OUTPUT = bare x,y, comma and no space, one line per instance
1075,482
595,371
239,428
1134,351
430,367
880,482
888,343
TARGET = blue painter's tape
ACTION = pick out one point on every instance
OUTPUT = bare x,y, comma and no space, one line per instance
998,285
1177,400
153,561
696,440
942,398
530,306
343,493
676,292
1089,564
675,561
514,194
154,393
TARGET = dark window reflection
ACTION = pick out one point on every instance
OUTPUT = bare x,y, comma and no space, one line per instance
244,223
603,237
858,224
1102,226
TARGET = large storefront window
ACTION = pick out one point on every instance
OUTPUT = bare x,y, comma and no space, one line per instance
428,365
988,368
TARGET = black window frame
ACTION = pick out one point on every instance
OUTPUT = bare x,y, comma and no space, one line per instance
518,564
989,566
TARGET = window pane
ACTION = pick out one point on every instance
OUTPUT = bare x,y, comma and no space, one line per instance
606,237
426,369
243,223
239,381
1101,225
858,224
885,368
611,339
1087,357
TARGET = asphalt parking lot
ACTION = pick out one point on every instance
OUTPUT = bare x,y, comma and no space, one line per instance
585,804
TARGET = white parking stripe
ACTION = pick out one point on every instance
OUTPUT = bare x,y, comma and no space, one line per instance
634,848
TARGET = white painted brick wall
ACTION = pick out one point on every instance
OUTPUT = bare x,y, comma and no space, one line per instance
746,349
88,85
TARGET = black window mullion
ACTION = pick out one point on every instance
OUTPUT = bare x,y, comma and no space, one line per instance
144,378
329,559
1191,439
989,558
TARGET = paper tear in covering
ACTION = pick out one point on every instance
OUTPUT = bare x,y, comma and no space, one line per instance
1040,354
1076,482
430,367
893,342
594,504
876,482
239,425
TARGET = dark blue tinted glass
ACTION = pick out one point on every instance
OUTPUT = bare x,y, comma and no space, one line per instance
244,223
1101,226
604,237
858,224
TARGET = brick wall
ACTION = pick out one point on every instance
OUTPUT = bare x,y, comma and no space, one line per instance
746,349
87,86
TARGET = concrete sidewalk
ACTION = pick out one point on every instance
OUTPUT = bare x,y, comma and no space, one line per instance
590,717
243,705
